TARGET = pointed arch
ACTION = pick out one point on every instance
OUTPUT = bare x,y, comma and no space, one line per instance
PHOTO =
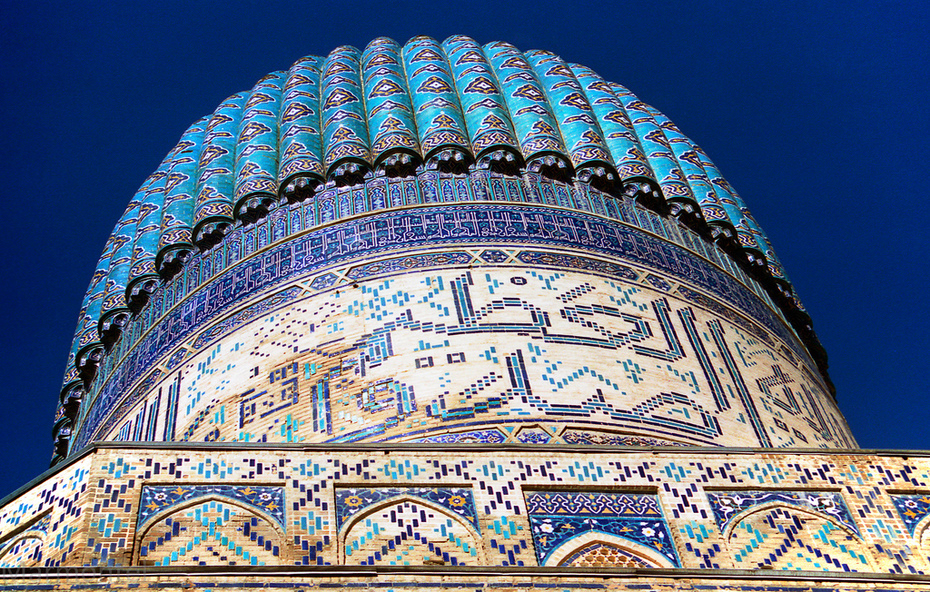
24,550
778,535
409,530
24,545
617,552
158,515
215,526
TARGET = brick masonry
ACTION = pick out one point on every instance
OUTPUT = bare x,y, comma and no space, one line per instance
511,506
486,344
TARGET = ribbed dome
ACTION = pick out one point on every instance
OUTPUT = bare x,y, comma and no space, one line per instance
399,111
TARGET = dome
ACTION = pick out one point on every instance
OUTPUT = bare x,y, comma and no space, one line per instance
318,131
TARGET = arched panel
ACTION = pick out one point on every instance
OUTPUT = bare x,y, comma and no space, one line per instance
914,512
26,551
26,546
410,531
602,549
211,532
784,537
922,536
564,522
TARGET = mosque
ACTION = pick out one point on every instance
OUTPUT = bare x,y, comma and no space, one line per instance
450,315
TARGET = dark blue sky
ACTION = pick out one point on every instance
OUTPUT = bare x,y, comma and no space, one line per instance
815,112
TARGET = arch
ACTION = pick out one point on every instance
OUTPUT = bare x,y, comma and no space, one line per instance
777,535
24,550
214,527
443,537
569,551
389,501
23,546
161,514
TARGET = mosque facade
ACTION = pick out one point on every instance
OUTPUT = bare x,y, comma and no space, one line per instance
452,315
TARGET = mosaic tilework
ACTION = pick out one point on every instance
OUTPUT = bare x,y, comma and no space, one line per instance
495,521
608,439
130,357
558,517
295,261
157,499
729,505
458,500
210,533
912,508
501,353
604,555
322,111
474,437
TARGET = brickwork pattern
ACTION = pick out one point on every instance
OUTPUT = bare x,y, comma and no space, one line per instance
247,581
410,533
504,353
211,533
48,524
257,259
831,512
604,555
785,538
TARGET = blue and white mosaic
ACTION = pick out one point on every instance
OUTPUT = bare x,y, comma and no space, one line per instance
727,505
556,517
912,508
352,501
156,499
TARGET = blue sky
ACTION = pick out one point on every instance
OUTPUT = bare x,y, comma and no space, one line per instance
817,116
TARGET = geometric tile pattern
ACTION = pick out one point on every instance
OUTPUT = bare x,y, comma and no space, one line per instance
352,501
211,533
603,555
787,538
158,498
510,348
912,508
26,548
474,437
727,505
409,532
25,551
137,357
558,516
93,507
541,109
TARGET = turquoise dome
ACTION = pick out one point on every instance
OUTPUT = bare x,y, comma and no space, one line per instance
449,107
